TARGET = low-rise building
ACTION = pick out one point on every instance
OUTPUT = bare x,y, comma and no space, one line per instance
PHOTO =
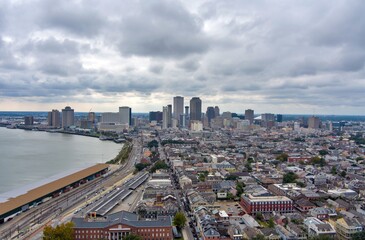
253,205
118,225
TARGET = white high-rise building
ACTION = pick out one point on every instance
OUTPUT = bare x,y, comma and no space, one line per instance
110,117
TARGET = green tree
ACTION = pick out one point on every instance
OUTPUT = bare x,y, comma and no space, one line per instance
132,237
323,152
290,177
334,170
248,167
63,231
141,166
201,177
231,177
259,216
271,223
343,173
152,144
359,236
159,165
179,220
259,237
239,188
283,157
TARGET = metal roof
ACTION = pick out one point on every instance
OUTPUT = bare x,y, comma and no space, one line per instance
48,188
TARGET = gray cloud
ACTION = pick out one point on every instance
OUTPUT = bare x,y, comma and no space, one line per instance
265,55
161,29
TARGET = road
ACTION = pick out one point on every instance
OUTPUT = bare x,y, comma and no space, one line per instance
30,224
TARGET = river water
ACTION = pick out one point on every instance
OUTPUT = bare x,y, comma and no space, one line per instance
30,156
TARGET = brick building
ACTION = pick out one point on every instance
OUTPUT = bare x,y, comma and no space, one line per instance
253,205
117,225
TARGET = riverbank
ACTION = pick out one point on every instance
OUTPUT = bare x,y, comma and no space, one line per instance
123,154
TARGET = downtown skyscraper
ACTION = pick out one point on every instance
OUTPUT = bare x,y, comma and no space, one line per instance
195,109
178,107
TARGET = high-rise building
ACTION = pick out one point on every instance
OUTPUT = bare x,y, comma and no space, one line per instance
267,117
91,117
178,107
54,119
187,116
28,120
164,118
110,117
195,109
313,122
169,115
249,115
279,117
210,114
68,117
216,111
125,114
155,116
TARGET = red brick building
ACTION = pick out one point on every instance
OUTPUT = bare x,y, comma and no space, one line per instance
116,226
253,205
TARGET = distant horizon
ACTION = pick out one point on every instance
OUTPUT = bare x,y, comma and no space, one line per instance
239,113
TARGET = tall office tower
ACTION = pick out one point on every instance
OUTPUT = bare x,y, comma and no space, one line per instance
68,117
249,115
210,114
165,118
279,117
195,109
169,115
91,117
187,116
313,122
267,120
216,111
54,118
267,117
155,116
125,114
28,120
178,107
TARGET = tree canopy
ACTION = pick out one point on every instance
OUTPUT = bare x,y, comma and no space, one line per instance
63,231
290,177
132,237
179,220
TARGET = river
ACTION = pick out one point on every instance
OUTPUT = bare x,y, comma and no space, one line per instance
30,156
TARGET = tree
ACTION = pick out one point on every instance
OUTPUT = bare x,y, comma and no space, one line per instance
323,152
141,166
282,157
63,231
259,237
159,165
334,170
248,167
358,236
232,177
290,177
343,174
152,144
179,220
239,188
132,237
271,223
259,216
202,177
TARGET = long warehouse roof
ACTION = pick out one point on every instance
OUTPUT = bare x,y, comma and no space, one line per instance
48,188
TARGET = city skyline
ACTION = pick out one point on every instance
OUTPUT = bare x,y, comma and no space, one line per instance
282,58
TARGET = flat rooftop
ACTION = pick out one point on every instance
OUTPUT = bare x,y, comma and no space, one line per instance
41,191
267,198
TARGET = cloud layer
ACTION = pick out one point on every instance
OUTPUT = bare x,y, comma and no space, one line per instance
287,57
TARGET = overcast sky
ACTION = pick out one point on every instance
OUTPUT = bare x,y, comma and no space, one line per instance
280,56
